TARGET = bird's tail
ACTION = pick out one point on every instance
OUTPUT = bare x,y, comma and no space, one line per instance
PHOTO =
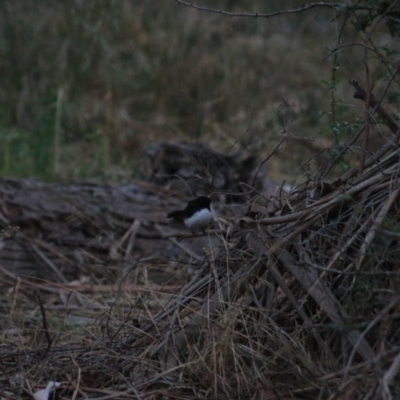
175,215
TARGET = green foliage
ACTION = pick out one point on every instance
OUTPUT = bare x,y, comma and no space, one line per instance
389,52
332,84
366,15
362,22
368,19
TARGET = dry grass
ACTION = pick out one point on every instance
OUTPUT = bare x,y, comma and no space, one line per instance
298,299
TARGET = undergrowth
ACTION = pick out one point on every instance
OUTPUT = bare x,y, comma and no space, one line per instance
86,87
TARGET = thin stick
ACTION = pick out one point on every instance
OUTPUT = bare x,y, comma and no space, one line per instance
44,324
304,7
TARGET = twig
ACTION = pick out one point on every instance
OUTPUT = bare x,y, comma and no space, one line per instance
360,338
326,300
377,223
47,261
304,7
388,377
134,231
76,390
367,114
362,95
281,282
131,233
276,150
214,303
44,324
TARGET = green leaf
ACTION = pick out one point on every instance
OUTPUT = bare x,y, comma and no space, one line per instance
393,97
390,52
393,26
362,22
341,7
331,84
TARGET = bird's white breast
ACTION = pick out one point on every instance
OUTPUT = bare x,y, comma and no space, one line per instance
199,219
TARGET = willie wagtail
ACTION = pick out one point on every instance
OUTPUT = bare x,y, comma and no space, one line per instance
196,215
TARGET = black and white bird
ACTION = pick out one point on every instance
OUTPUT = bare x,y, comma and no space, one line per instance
196,215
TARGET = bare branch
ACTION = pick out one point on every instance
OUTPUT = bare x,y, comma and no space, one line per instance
304,7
